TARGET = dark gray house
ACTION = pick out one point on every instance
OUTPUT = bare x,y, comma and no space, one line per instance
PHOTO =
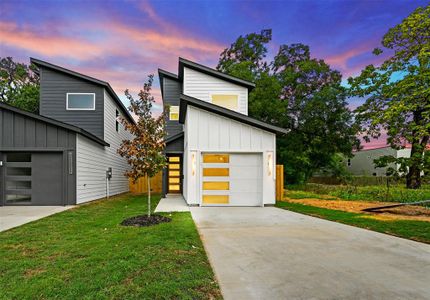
61,157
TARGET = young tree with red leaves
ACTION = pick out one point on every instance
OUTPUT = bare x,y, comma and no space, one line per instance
144,153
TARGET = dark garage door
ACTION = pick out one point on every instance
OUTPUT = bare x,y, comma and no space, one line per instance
32,178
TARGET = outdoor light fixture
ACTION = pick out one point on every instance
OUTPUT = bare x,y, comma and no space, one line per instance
193,163
269,163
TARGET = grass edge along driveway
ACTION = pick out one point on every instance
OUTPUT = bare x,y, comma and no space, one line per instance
413,230
84,253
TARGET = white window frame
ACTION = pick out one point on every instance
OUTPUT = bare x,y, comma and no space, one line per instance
226,94
94,101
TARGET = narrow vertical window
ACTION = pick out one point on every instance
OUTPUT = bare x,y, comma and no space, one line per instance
117,121
174,113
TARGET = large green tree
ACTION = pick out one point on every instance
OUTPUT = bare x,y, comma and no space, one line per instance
19,85
297,92
398,94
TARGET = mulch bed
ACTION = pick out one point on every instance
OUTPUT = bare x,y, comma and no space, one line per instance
144,220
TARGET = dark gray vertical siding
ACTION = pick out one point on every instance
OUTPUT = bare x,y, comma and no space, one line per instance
54,87
171,94
22,133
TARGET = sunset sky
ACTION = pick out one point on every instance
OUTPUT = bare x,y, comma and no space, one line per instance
123,41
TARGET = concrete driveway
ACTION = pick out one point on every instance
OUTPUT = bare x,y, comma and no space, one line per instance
270,253
13,216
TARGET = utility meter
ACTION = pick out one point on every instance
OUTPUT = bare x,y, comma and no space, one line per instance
109,173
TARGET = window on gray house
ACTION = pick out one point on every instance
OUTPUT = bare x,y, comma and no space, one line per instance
116,120
349,162
81,101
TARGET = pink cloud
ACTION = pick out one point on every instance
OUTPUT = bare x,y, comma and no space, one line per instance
48,45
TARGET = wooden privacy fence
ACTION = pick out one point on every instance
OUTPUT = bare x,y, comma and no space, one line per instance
279,182
141,185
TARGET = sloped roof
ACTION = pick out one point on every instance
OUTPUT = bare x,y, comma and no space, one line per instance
219,110
41,63
54,122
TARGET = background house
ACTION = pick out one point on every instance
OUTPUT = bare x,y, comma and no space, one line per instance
63,155
362,163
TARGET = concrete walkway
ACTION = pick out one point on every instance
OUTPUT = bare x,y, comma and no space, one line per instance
270,253
13,216
172,203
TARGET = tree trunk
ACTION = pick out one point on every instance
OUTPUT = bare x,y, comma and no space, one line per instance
149,196
413,178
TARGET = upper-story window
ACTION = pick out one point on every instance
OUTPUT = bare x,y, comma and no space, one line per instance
174,113
81,101
117,120
226,100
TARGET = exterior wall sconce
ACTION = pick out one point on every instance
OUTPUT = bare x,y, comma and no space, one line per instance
270,163
193,163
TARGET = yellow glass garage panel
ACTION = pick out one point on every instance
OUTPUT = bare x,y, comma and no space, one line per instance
216,158
216,185
215,199
174,166
227,101
216,172
174,180
174,159
174,173
174,187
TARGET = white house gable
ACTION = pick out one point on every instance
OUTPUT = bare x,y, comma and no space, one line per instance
214,90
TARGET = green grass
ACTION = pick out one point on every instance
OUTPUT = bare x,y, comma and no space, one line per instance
414,230
84,253
396,193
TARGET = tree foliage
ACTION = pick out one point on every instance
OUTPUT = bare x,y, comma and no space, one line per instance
297,92
19,85
398,94
144,152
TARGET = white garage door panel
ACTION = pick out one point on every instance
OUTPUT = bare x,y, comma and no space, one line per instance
245,185
245,172
245,180
245,199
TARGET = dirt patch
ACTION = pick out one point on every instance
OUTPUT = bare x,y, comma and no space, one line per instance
144,220
33,272
397,213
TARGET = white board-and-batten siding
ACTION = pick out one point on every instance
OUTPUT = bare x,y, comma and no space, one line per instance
209,132
202,86
93,160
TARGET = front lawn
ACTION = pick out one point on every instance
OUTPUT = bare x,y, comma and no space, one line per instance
414,230
84,253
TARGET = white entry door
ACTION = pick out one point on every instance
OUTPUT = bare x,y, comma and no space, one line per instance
231,179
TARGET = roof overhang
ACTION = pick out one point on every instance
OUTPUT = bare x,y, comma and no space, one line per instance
187,100
165,74
212,72
174,137
40,63
55,123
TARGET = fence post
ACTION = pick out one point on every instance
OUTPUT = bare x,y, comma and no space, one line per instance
279,182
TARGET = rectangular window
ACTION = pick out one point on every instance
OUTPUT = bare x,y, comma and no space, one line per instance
81,101
215,199
216,172
116,120
216,185
227,101
216,158
174,113
174,173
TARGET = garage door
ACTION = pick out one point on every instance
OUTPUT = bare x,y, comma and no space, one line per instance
231,179
32,178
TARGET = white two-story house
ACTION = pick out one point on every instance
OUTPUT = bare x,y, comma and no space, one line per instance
217,154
